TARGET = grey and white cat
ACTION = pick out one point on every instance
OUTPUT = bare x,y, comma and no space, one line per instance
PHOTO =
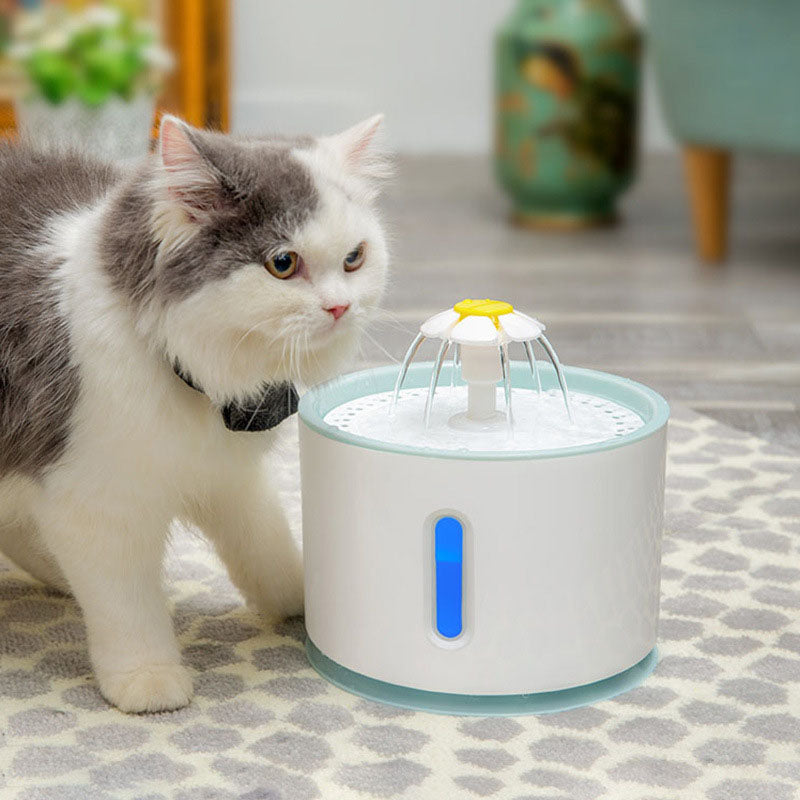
240,263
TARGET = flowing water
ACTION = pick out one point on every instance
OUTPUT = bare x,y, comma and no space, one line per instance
541,421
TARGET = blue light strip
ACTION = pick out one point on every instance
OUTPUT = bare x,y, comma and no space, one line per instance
449,557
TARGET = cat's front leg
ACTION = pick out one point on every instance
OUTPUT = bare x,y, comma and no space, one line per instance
113,563
247,524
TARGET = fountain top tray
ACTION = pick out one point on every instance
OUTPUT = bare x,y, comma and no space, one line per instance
325,409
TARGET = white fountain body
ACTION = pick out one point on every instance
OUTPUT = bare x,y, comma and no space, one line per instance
474,580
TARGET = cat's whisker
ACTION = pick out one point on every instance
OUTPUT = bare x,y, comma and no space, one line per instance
293,359
255,413
384,317
380,347
313,353
253,329
294,366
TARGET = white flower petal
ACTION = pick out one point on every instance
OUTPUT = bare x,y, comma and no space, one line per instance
29,24
541,325
20,51
54,40
439,325
475,330
102,16
158,57
519,327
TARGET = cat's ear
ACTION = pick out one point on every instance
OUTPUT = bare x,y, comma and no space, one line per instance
190,177
355,149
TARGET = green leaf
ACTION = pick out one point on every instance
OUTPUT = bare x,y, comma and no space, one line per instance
93,94
53,74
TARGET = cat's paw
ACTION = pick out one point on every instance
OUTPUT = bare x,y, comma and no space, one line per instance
289,604
277,612
283,596
154,687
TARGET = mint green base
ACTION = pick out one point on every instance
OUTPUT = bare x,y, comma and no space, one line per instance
503,705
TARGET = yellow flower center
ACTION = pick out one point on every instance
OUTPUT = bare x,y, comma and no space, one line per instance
483,308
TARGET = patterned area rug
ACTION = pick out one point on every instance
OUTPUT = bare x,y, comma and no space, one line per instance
720,718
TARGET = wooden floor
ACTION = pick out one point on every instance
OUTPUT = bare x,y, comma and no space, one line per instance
630,299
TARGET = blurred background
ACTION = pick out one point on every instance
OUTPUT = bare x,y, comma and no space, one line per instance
625,170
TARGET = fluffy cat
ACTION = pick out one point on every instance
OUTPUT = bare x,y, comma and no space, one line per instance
140,312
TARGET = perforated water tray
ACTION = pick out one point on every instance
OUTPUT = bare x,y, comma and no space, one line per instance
540,421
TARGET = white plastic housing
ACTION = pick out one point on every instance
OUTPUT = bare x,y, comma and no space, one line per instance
561,563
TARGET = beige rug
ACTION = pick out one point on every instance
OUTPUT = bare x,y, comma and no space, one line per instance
720,718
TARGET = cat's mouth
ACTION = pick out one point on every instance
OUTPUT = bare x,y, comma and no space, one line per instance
334,328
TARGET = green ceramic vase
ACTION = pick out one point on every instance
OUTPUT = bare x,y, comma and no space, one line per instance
567,80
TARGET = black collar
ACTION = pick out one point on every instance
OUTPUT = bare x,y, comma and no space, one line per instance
266,409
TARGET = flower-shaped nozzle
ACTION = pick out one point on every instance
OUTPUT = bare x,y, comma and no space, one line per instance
482,331
482,322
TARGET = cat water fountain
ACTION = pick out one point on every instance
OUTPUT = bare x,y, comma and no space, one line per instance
482,536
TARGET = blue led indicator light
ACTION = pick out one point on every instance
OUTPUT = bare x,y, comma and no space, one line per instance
449,556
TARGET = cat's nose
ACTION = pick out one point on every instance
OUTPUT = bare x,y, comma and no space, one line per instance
337,311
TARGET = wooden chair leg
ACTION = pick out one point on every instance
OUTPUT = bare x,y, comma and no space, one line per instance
707,174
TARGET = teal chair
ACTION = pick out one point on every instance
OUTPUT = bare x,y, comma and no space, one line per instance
728,73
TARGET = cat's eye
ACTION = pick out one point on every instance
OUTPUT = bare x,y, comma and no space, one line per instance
355,258
284,265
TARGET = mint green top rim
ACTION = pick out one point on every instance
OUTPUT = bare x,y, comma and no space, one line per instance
320,400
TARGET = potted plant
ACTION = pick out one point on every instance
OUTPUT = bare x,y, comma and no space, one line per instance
90,79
